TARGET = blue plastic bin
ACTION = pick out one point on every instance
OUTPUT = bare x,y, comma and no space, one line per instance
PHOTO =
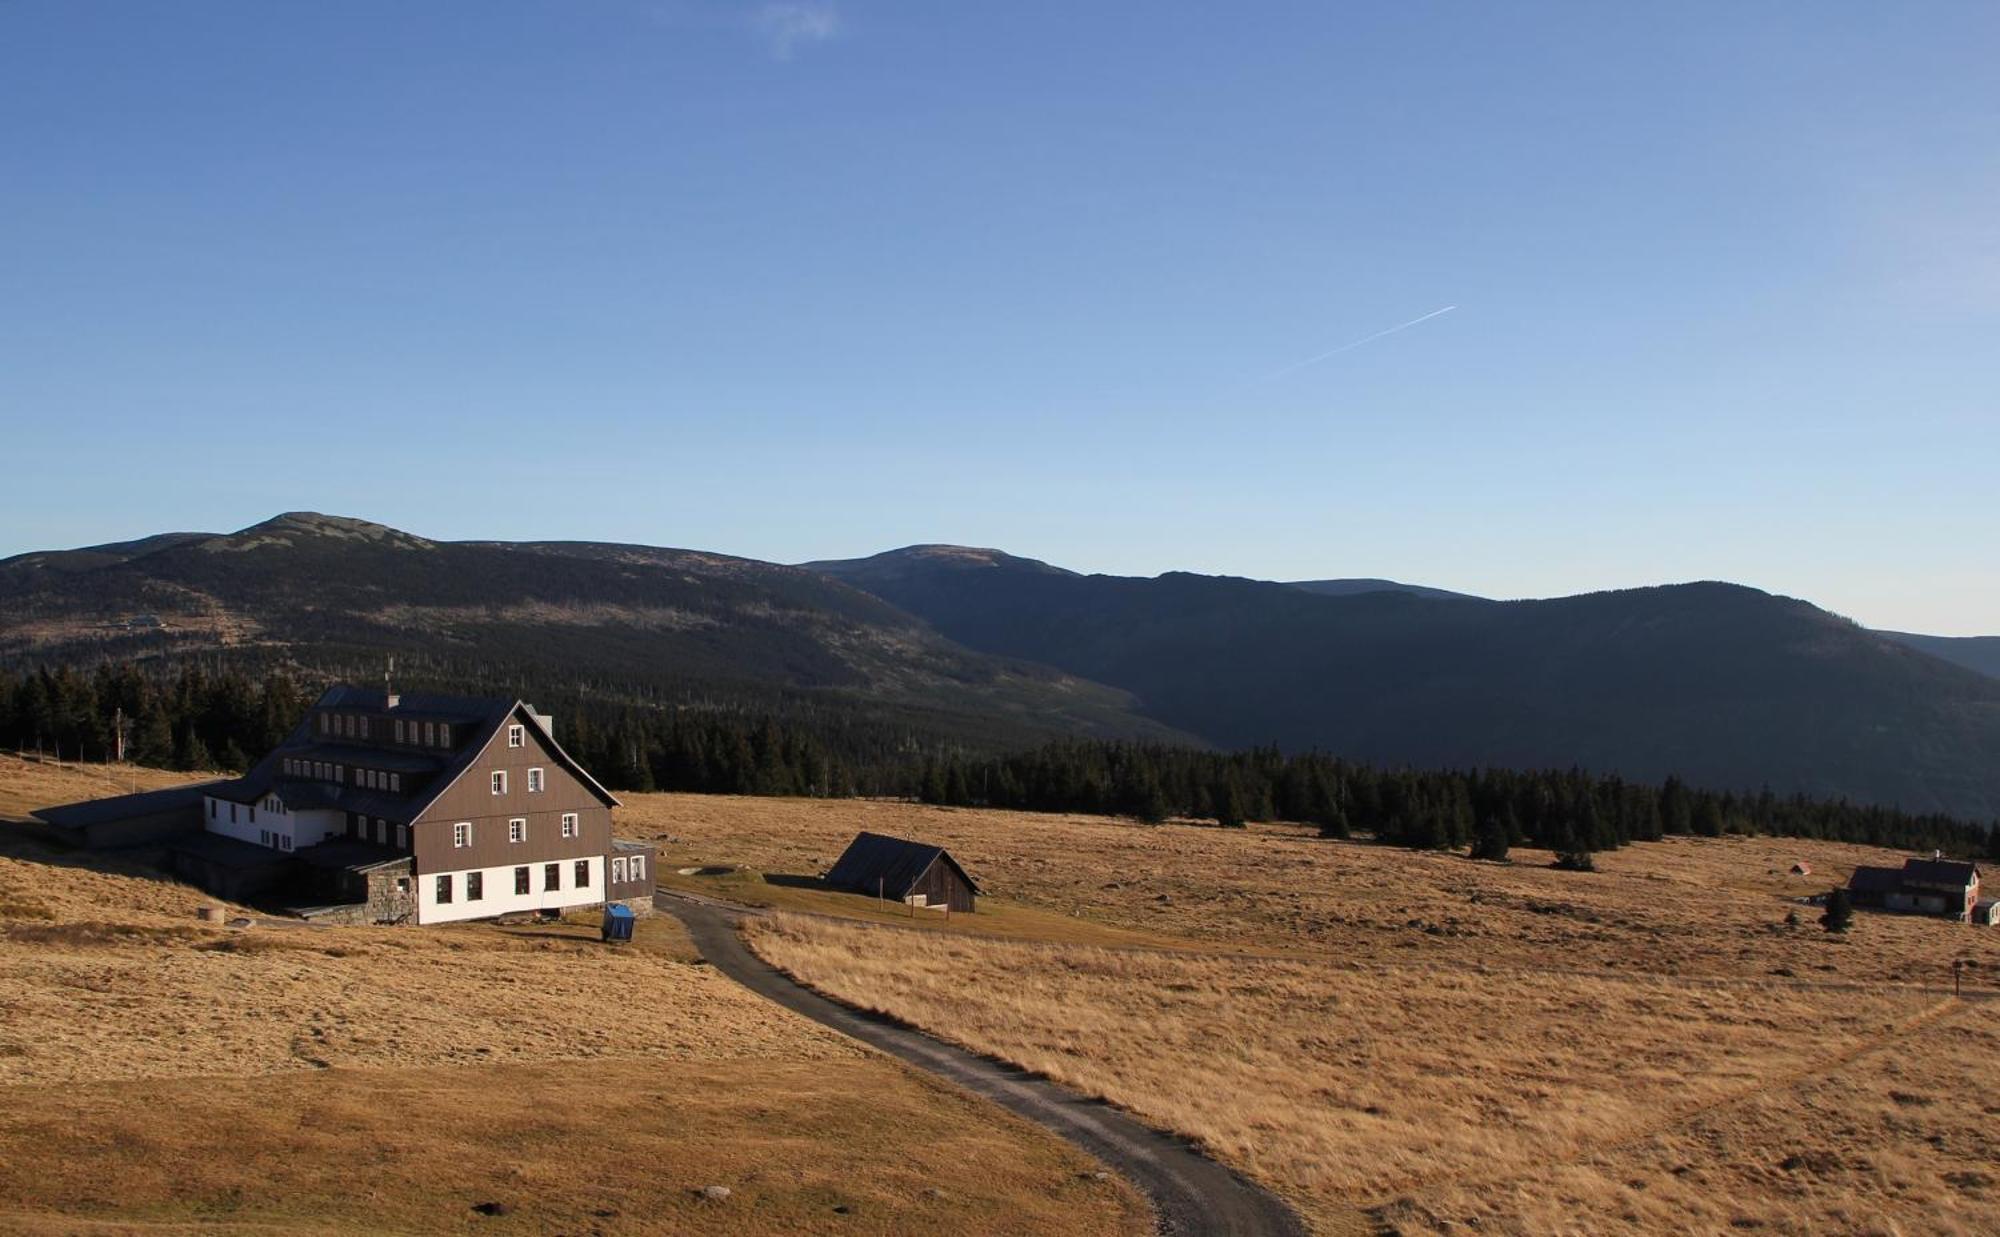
618,921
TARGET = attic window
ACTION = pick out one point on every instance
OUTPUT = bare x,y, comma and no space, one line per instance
499,781
534,779
516,737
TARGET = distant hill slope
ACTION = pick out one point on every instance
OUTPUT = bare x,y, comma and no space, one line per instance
1981,653
330,591
1723,685
1349,588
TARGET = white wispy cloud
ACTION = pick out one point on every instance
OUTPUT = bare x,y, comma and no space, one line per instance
788,25
1349,346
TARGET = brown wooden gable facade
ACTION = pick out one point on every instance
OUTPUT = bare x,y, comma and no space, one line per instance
470,799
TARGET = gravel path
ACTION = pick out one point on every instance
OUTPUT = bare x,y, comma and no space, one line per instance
1191,1193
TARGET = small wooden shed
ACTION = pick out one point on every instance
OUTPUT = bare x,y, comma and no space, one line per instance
879,865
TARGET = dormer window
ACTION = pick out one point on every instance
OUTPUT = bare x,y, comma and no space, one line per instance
516,736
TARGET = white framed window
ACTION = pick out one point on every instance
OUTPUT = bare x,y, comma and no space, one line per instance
396,782
340,773
618,870
430,734
399,730
517,830
402,837
534,781
516,736
461,834
499,781
444,734
638,867
569,824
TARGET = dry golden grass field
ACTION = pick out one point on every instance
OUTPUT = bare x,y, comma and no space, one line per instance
160,1073
1422,1042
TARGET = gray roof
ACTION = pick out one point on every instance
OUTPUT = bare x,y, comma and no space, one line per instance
875,861
1875,880
124,807
1940,871
348,854
485,714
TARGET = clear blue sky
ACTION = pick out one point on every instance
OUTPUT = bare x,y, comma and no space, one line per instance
819,279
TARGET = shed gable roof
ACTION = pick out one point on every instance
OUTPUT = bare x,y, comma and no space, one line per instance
877,861
1940,871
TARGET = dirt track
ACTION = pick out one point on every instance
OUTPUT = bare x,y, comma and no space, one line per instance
1191,1194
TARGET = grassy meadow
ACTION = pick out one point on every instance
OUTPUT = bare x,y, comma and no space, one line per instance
1421,1042
157,1072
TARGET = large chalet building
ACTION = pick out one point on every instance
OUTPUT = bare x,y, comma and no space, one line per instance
494,817
381,807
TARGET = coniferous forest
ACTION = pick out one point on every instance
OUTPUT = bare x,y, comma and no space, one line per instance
197,720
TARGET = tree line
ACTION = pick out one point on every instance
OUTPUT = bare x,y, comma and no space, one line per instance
1570,812
190,718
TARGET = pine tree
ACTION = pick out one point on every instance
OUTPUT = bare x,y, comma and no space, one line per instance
1491,842
1839,912
192,753
1228,804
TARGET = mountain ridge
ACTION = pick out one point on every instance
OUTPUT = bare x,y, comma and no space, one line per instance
1722,684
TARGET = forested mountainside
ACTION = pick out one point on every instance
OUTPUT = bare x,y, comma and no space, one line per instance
1722,685
332,597
937,651
1980,653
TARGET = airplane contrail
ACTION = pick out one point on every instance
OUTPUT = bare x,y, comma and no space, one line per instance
1349,347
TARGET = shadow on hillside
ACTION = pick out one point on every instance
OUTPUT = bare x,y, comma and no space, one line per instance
792,881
